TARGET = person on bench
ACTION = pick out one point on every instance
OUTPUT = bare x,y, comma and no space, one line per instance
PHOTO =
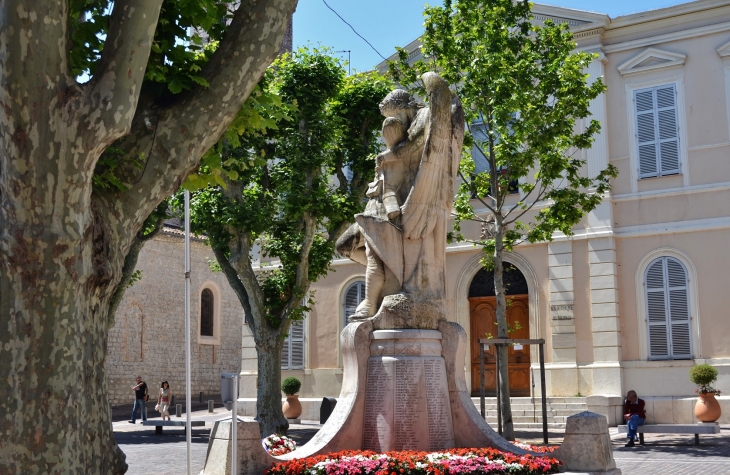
634,414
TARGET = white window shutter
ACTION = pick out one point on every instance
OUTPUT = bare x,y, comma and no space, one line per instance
668,130
678,300
656,311
286,354
667,310
646,132
353,296
296,336
657,131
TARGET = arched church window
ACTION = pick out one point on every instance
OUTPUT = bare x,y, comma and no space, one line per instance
207,312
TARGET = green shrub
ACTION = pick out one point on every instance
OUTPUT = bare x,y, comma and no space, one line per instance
703,374
291,385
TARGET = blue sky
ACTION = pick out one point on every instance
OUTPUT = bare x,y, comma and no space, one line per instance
390,23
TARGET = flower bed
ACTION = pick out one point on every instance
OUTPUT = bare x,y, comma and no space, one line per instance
278,444
450,462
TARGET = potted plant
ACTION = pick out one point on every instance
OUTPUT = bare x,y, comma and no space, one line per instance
292,408
707,408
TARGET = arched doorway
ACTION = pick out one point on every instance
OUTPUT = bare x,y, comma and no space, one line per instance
483,318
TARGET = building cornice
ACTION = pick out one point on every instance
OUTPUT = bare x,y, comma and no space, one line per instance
665,38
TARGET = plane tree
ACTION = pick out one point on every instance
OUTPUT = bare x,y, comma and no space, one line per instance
105,107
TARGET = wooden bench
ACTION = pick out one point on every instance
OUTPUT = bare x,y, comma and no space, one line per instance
159,424
696,429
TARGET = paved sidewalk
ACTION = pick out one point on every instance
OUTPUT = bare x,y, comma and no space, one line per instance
673,454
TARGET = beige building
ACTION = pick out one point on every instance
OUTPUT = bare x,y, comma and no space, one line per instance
148,336
637,296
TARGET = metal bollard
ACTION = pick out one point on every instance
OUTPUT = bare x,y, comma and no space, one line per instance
200,397
210,405
178,410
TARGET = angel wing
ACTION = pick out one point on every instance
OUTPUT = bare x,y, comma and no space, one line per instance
433,188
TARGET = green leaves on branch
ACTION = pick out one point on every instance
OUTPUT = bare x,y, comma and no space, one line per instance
527,97
290,173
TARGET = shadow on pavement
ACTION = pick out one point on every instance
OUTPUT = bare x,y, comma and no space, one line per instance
171,436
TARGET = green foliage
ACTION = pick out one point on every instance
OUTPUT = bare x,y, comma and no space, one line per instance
703,374
178,54
291,385
524,89
277,177
135,277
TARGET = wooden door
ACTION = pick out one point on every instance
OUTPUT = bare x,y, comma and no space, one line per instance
483,321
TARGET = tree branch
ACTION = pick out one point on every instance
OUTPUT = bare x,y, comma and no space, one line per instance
239,288
130,262
189,127
113,92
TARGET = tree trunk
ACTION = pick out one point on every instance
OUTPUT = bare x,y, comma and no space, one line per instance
54,320
268,407
502,330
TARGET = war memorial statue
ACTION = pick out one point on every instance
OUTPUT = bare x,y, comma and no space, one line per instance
401,235
404,384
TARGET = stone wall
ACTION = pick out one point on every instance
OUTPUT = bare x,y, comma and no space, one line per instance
148,337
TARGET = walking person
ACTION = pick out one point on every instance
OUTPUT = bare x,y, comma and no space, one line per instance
634,414
140,398
163,400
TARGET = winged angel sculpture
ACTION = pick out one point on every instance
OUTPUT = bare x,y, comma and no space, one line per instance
401,235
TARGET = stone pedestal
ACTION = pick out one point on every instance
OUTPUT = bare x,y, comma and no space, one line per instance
586,447
407,395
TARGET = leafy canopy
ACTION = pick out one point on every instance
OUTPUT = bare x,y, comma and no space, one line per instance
526,94
299,173
187,34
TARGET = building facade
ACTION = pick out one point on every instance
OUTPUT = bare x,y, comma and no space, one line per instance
637,296
148,336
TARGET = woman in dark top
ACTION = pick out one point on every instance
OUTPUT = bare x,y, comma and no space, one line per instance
634,415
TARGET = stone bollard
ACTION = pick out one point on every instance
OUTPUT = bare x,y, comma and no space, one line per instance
210,405
178,410
586,446
252,458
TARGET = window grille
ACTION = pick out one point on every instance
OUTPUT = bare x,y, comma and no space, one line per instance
667,310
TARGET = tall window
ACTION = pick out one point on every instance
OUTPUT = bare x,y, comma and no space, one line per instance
207,312
667,310
657,131
354,294
292,354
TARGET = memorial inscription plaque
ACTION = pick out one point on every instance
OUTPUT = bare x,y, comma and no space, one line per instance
407,403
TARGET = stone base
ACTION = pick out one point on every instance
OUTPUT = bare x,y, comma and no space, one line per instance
407,398
399,311
416,364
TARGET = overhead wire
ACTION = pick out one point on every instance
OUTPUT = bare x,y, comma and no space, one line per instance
353,29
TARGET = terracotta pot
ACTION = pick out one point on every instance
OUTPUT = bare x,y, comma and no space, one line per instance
292,407
707,408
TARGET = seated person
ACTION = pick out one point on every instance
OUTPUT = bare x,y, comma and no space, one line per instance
634,414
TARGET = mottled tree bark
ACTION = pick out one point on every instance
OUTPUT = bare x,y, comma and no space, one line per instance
63,244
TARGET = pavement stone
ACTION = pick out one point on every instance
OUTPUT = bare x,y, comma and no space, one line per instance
663,454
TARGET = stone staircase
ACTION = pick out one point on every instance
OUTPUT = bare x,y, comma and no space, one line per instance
527,416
